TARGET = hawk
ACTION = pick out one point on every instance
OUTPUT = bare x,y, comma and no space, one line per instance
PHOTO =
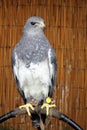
34,66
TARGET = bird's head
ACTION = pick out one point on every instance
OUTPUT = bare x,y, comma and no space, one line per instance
34,24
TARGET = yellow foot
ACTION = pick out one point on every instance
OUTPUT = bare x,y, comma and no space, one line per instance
49,104
27,107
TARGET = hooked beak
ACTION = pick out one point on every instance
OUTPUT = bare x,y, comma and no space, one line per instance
42,25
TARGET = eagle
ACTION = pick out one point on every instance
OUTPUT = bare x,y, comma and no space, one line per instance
34,67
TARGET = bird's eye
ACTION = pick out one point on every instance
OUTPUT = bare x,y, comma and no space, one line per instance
33,23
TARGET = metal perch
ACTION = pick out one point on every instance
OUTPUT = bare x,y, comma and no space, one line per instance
53,112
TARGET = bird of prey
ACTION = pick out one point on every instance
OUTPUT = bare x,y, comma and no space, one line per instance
34,67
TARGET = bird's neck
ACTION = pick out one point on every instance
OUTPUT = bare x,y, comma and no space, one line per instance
34,35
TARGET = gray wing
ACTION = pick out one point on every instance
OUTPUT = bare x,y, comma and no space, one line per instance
13,60
53,70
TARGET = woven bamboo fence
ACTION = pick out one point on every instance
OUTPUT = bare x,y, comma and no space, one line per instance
66,22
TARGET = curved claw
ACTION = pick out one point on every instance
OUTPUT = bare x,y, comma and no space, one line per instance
27,107
48,105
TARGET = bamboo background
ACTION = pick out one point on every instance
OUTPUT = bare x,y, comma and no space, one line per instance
66,22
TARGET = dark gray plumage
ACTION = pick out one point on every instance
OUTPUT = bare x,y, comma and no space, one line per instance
34,63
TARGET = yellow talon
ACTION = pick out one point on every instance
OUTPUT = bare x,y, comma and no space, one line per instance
48,105
27,106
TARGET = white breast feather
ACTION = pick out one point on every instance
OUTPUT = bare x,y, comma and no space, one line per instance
35,80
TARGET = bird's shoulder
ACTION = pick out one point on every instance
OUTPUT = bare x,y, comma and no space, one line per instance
32,50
